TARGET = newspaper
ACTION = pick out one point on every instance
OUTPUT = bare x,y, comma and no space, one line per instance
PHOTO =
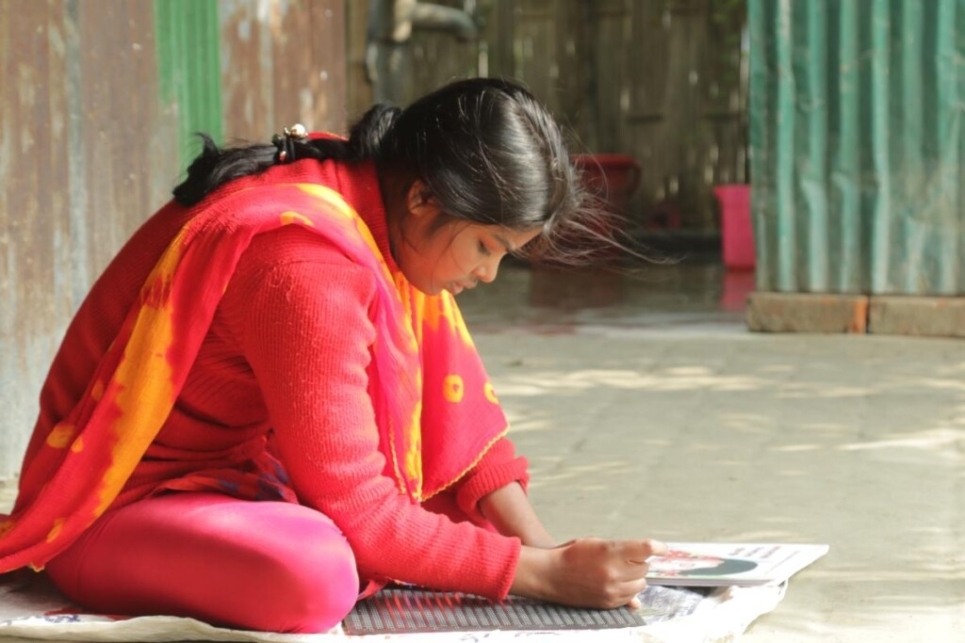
31,609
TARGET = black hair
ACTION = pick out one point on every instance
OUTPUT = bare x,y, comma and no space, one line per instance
216,166
486,149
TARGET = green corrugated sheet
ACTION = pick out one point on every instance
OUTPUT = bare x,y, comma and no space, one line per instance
187,33
857,145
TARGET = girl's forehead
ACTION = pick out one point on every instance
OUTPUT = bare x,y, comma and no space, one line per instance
512,240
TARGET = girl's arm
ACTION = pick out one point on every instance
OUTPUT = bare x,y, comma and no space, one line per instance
510,511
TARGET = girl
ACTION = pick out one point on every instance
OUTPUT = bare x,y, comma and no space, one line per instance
269,405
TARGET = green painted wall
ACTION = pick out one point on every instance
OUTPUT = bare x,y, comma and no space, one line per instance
187,34
858,145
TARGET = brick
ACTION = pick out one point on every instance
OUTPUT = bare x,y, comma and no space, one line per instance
806,313
926,316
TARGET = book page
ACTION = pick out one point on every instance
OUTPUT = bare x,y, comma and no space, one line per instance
742,564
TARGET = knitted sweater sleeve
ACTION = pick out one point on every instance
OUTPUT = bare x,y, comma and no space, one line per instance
499,467
301,314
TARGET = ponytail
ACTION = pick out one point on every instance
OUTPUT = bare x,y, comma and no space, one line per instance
216,166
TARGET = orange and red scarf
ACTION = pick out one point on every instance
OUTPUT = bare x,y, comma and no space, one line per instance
438,413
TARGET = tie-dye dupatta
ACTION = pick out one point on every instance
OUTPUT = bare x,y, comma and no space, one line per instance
430,379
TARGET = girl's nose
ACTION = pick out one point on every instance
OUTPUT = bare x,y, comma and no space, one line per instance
487,271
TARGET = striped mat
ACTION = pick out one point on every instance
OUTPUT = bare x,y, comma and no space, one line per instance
403,610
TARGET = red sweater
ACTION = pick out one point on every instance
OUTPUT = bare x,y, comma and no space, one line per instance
289,351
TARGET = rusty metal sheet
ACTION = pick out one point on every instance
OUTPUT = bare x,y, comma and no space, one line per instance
84,158
283,62
34,214
98,101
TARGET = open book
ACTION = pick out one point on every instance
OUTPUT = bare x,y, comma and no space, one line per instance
741,564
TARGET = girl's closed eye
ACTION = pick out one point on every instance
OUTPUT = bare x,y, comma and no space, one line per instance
483,249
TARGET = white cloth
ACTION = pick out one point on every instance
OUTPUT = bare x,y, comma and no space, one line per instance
31,609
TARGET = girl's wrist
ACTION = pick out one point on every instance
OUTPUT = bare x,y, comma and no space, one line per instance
532,573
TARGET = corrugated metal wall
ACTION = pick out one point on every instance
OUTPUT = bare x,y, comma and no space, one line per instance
99,100
659,80
857,138
282,62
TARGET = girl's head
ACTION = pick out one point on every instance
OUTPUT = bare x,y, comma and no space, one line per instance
469,173
486,150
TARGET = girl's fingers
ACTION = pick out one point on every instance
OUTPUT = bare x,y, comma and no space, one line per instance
639,551
631,589
657,548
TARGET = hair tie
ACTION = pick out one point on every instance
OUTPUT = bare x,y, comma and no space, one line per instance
285,143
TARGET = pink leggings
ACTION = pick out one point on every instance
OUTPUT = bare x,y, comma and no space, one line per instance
269,566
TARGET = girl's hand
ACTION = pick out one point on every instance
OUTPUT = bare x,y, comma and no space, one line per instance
587,572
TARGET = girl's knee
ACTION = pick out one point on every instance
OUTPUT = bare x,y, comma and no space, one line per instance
314,591
331,583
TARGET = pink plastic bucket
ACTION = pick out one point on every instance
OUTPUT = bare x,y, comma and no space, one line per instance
736,231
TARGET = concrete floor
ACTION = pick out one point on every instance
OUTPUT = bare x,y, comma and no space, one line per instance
647,410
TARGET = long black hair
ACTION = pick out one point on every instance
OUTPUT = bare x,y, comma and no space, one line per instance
486,149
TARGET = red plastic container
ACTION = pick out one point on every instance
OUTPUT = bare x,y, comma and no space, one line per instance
736,231
614,177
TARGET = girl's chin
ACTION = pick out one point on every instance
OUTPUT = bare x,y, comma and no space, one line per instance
430,289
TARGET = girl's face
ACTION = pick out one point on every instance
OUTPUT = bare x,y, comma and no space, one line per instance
455,255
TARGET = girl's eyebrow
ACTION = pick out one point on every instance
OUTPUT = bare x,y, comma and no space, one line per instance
506,245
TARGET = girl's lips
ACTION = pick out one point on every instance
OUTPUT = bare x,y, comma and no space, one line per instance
457,288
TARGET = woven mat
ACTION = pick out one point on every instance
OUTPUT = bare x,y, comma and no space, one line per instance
396,611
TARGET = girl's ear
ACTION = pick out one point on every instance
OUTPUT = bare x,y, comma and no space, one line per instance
418,199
